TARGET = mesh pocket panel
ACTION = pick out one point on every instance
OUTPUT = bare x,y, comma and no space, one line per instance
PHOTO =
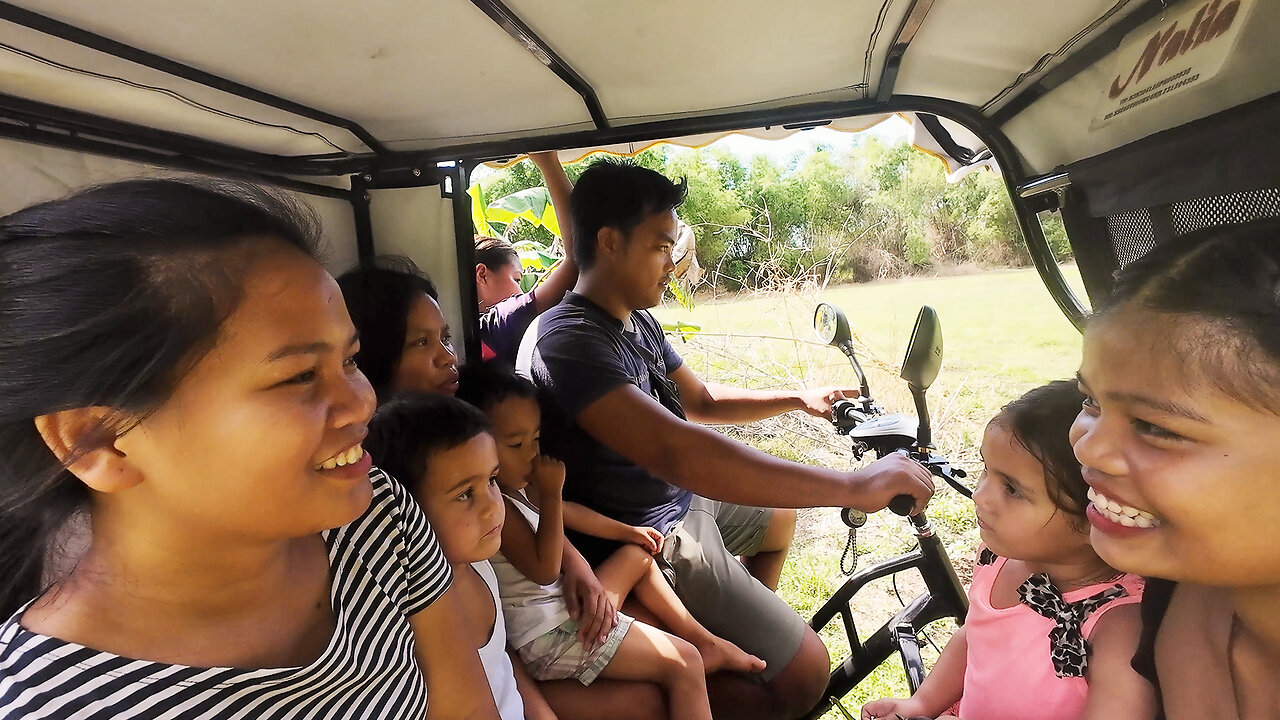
1224,210
1132,235
1134,232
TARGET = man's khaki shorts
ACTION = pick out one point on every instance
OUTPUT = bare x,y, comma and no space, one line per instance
719,591
742,526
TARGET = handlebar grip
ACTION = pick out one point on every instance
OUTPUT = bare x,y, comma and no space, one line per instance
902,505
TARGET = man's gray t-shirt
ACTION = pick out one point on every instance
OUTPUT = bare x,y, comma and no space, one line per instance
576,353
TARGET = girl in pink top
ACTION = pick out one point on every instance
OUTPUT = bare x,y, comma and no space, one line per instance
1051,627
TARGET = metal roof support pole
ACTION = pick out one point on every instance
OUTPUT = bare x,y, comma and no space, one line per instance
84,38
1014,175
365,250
906,33
465,247
515,27
1042,257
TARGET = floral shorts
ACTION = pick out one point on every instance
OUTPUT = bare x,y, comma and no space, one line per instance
557,654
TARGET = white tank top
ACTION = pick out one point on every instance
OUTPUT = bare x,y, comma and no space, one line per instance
494,657
532,610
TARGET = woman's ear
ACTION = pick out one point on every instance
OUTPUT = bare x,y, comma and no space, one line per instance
85,445
482,274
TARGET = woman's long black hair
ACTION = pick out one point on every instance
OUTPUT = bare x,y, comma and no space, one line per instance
107,299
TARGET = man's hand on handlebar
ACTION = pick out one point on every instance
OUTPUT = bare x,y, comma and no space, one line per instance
818,401
880,482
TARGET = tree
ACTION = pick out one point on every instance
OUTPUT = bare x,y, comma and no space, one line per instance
871,211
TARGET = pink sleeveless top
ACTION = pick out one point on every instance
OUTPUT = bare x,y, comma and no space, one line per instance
1010,673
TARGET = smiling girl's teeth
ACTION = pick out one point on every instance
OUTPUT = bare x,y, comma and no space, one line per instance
1121,514
352,454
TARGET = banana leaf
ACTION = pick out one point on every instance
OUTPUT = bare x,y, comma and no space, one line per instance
532,205
478,204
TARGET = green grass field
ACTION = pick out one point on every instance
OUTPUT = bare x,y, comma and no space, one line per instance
1003,335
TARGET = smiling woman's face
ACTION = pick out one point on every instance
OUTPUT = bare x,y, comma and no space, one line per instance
1192,468
249,444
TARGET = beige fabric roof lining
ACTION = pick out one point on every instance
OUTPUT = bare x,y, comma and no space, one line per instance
428,75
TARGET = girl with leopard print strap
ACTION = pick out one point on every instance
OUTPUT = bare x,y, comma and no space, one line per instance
1051,627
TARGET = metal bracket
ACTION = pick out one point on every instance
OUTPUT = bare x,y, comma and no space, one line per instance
1046,192
417,175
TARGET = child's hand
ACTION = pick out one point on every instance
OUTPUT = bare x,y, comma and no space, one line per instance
547,476
891,709
645,537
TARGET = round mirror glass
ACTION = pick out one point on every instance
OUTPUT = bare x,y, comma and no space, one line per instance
826,321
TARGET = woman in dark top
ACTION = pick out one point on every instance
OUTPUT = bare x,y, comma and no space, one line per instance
506,312
1181,372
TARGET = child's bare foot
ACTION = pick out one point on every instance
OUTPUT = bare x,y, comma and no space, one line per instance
720,655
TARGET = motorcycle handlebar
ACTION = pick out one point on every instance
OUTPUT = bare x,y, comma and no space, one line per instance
902,505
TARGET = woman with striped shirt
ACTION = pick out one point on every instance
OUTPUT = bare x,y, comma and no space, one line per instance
178,395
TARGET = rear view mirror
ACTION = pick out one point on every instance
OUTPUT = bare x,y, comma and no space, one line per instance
924,353
831,325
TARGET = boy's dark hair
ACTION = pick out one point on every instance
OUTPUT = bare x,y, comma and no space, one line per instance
495,253
411,427
108,298
485,384
1229,278
378,298
618,194
1040,421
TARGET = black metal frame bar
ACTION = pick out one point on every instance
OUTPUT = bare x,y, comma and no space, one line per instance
944,597
517,29
70,33
1105,42
906,33
465,249
77,123
365,251
71,141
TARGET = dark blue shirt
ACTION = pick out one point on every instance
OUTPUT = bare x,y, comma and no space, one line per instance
502,326
576,353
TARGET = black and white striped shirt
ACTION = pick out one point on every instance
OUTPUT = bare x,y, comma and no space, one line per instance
386,566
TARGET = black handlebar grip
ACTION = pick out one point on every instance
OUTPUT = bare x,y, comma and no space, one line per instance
902,505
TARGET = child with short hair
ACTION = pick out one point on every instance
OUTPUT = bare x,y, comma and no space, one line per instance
446,451
532,544
1181,376
1051,626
